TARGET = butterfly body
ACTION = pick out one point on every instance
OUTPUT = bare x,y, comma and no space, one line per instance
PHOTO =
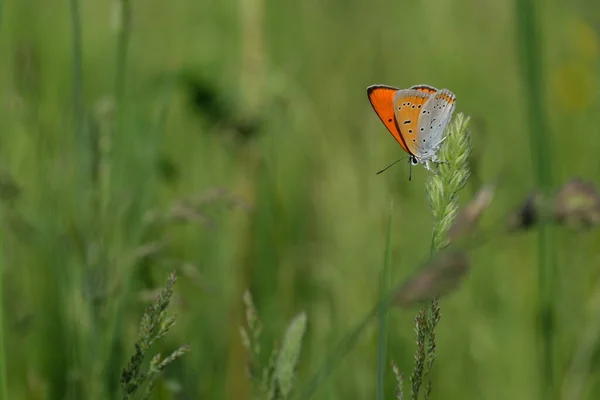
417,118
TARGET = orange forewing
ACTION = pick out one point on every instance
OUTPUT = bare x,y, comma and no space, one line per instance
382,100
409,109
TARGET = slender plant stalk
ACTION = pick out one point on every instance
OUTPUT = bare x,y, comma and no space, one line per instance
122,56
124,37
79,106
383,313
77,352
532,71
251,83
3,382
252,70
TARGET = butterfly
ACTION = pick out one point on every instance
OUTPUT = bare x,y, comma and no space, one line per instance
417,118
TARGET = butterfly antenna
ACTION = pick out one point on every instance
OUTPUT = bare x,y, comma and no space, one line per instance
395,162
409,172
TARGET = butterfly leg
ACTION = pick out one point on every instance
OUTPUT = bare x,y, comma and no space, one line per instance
438,161
428,167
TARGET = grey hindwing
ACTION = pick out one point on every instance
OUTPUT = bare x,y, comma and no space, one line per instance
433,120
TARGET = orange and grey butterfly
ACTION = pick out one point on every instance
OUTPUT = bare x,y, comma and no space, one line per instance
383,97
417,117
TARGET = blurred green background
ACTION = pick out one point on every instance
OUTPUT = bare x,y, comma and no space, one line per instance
233,142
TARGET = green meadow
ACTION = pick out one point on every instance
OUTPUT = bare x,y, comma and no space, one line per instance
233,143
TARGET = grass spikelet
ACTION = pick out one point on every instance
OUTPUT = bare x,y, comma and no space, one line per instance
155,325
442,188
251,335
289,354
442,192
275,380
399,382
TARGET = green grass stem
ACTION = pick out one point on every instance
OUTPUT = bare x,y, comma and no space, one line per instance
77,77
120,95
123,40
530,46
386,279
3,382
